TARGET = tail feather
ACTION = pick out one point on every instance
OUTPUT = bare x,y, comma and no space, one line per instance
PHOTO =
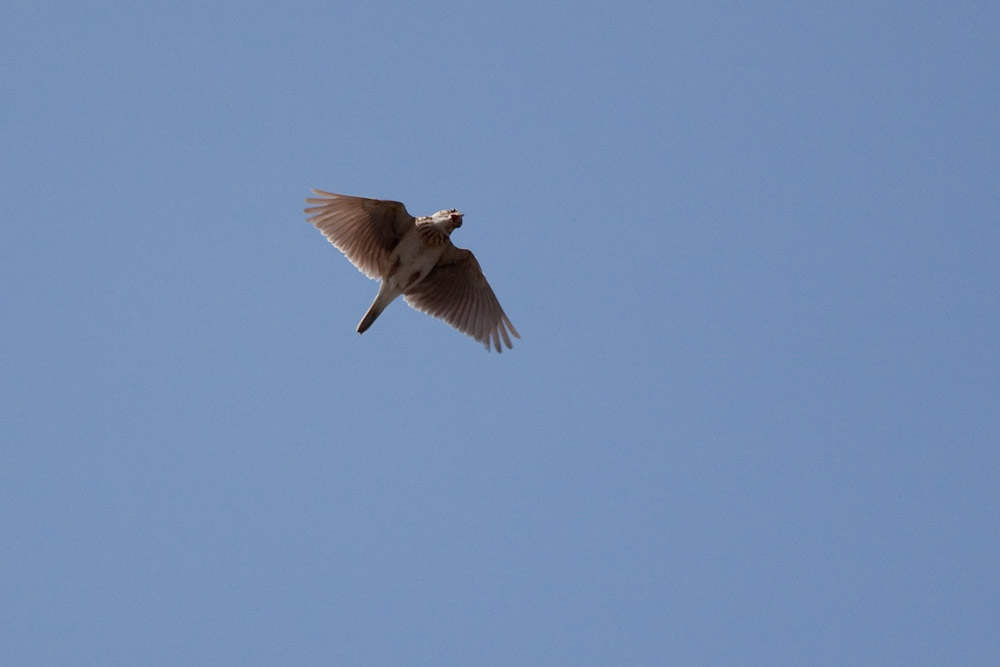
370,317
386,295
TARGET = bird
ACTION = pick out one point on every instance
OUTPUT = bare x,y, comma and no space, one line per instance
413,258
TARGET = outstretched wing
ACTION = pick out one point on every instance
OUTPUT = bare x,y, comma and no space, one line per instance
365,230
457,292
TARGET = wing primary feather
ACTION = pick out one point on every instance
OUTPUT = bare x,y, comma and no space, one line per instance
503,332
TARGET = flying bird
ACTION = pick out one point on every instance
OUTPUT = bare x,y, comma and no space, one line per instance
413,258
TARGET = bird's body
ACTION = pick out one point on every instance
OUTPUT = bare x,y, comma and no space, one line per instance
410,262
413,258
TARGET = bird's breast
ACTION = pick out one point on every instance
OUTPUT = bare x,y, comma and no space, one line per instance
415,255
432,236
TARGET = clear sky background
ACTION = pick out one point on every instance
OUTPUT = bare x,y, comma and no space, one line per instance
753,250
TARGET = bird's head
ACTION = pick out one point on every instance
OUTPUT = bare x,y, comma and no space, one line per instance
449,220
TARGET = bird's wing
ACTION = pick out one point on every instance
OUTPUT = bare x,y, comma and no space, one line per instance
457,292
365,230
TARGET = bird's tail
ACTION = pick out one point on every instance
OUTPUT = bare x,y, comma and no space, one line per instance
370,316
386,295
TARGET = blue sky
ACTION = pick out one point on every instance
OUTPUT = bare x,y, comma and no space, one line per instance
752,251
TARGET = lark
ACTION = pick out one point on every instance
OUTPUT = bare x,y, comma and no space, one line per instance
413,258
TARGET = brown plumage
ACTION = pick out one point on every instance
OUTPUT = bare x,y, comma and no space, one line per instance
415,258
